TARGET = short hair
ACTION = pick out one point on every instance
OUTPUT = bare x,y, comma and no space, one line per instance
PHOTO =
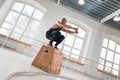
64,19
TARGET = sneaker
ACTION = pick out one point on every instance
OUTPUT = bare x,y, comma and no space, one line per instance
50,44
56,47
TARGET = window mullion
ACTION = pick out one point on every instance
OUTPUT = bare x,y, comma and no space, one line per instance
22,34
106,56
16,22
9,22
114,56
63,42
27,26
72,46
81,52
70,49
26,15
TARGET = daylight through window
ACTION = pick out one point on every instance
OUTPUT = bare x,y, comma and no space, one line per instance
73,44
110,56
22,22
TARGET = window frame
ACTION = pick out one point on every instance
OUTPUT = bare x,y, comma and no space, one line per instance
105,59
72,46
20,13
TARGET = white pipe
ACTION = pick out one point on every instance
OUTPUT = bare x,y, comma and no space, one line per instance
58,1
110,16
34,74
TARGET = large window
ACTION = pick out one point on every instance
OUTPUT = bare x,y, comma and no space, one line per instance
22,22
73,44
110,56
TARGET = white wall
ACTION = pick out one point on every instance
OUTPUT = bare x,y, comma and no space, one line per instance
1,2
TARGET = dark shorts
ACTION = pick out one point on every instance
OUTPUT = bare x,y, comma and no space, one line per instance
53,35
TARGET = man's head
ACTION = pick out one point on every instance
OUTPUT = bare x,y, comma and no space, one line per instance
64,20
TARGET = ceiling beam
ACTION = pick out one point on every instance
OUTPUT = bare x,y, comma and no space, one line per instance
110,16
58,2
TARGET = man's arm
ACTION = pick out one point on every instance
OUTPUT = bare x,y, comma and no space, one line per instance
66,26
69,31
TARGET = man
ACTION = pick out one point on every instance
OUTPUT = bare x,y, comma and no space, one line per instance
54,34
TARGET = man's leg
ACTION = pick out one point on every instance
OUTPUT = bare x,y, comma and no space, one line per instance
54,37
59,40
50,43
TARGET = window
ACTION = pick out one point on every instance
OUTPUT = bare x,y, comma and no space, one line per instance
22,22
72,45
110,56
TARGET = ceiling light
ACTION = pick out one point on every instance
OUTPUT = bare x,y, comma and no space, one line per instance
116,18
81,2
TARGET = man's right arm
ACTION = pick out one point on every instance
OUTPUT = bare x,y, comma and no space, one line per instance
69,31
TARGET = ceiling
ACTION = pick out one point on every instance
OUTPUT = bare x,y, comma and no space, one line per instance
102,10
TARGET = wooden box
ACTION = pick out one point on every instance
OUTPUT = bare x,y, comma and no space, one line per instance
48,59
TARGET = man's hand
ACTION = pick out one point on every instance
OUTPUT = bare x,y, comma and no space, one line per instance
76,30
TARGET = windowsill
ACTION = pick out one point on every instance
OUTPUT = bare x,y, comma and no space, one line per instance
105,72
74,61
16,40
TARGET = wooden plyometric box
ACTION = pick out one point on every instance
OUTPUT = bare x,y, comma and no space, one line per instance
48,59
